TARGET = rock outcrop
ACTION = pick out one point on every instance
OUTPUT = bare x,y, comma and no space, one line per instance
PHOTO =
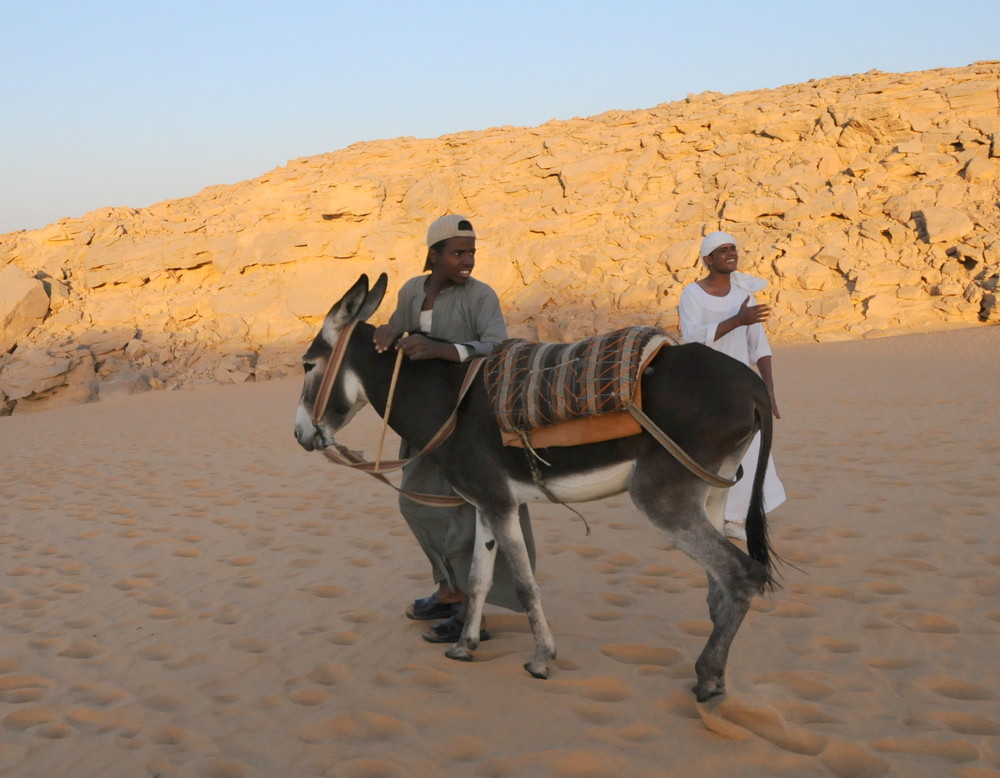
870,201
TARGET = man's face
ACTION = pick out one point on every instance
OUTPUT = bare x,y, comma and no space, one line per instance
724,259
455,261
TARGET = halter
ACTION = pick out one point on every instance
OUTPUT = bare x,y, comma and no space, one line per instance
341,455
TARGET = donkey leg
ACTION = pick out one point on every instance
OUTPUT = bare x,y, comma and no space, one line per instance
733,579
480,579
508,533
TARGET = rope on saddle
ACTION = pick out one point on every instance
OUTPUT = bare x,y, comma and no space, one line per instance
532,385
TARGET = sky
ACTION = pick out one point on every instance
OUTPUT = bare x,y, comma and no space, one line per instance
108,103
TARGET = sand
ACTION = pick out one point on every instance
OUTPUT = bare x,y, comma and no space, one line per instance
185,592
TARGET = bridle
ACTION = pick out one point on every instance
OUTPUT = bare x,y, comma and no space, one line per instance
341,455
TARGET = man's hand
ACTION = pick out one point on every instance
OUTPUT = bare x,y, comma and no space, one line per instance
420,347
385,337
752,314
774,402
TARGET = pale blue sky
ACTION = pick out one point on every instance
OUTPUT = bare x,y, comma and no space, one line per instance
129,103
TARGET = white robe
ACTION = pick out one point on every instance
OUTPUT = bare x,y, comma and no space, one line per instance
700,314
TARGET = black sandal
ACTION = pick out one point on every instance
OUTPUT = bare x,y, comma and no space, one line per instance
431,609
449,632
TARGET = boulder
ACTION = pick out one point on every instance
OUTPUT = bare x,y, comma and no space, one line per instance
23,305
944,225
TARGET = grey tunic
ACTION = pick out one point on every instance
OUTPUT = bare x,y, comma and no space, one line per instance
469,315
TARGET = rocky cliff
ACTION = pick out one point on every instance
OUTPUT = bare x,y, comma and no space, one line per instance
871,202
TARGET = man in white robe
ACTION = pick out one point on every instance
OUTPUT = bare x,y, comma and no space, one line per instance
720,311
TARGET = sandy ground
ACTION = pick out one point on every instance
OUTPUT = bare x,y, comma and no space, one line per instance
185,592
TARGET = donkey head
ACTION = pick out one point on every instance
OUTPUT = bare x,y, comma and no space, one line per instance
315,426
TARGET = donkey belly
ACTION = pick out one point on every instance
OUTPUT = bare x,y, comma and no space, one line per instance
577,487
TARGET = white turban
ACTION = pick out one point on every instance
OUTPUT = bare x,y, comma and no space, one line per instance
713,240
744,281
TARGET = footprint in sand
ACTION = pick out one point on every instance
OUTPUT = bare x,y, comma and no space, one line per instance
363,726
929,623
24,688
962,723
250,645
99,694
32,716
892,662
851,760
431,678
798,684
836,646
696,628
83,649
240,561
604,616
731,717
217,768
794,610
329,673
228,614
347,637
924,745
100,721
362,616
883,588
643,654
309,697
598,689
958,689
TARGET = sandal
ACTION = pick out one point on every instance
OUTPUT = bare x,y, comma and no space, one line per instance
431,609
449,632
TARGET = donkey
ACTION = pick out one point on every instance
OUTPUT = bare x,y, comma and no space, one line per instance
709,404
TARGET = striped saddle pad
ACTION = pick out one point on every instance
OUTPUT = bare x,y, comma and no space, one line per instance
534,385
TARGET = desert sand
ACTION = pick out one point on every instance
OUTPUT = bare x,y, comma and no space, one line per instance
185,592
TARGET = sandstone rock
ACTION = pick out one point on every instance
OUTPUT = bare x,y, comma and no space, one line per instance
979,170
235,368
102,342
23,305
942,225
33,371
682,255
125,380
79,385
807,274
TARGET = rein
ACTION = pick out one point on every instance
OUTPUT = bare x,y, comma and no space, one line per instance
678,453
341,455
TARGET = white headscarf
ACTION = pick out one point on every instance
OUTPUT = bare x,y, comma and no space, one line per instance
713,240
744,281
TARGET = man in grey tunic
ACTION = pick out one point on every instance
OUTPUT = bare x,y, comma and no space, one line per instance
462,316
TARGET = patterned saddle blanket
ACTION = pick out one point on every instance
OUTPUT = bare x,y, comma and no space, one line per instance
532,386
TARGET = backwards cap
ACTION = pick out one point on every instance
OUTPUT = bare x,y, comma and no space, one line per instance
450,226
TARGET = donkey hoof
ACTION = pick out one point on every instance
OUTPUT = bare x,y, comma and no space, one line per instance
459,653
704,692
540,671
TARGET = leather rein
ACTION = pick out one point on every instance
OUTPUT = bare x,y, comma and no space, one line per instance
341,455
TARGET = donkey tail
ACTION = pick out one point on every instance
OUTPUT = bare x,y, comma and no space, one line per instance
758,542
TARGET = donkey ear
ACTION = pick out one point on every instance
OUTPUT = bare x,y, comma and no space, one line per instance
345,309
374,298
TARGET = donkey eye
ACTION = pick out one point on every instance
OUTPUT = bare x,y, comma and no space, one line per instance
308,366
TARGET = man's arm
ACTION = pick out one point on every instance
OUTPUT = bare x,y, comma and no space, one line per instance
744,317
764,366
